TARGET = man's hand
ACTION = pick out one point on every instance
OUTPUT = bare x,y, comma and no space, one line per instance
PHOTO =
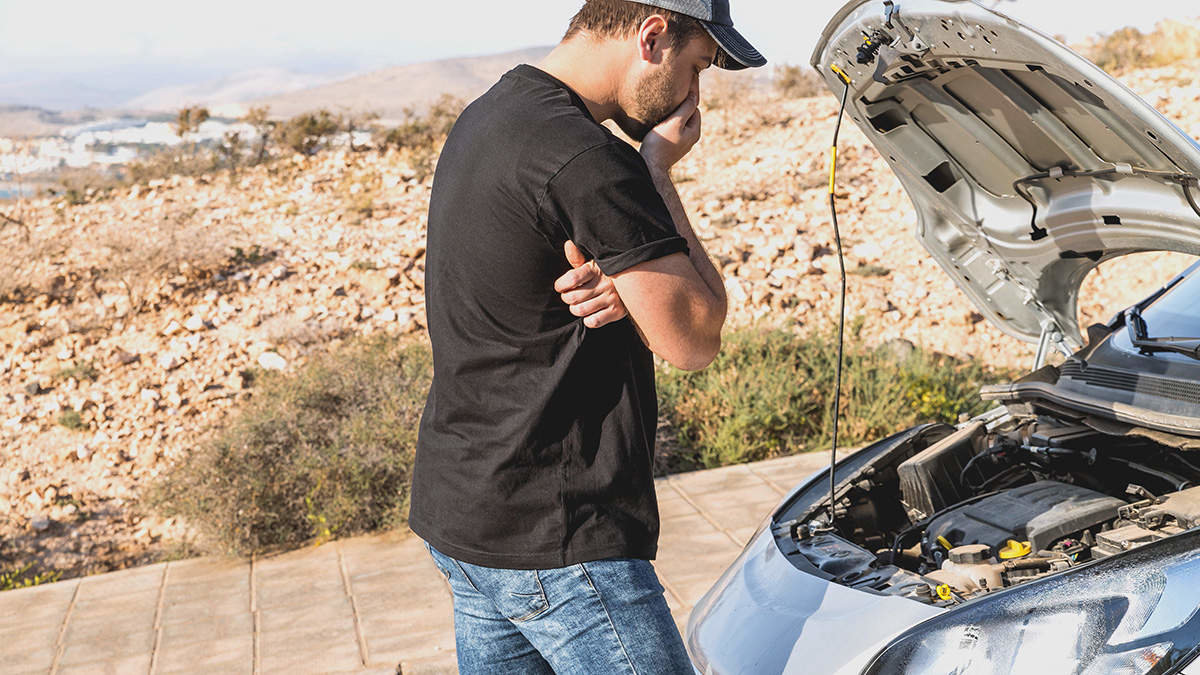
588,291
674,137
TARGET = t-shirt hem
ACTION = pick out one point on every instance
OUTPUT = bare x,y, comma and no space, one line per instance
532,560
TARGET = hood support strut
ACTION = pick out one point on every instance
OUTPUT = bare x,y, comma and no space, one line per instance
1051,336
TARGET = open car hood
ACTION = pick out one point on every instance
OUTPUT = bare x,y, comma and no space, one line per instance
1027,164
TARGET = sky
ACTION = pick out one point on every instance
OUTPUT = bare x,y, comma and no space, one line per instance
126,47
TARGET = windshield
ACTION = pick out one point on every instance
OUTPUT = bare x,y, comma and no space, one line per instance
1173,315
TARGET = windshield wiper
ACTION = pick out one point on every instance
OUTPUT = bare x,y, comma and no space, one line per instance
1188,346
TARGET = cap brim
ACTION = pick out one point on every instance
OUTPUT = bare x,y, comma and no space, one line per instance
735,51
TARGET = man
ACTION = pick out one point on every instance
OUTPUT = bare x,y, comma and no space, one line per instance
533,485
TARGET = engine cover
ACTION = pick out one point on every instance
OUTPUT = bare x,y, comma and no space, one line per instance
1039,513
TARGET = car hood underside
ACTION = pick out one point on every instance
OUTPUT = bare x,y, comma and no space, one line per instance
1026,163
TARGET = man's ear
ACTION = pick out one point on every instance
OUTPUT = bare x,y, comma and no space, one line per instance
652,38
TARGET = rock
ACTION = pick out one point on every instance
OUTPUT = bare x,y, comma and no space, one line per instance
195,323
388,315
33,388
272,361
40,523
375,283
150,395
868,251
169,361
122,357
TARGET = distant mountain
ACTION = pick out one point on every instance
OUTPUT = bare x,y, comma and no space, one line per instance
27,120
390,91
228,92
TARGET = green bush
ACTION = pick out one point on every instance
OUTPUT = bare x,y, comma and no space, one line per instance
423,131
420,136
327,451
324,452
23,577
308,133
71,419
769,393
80,370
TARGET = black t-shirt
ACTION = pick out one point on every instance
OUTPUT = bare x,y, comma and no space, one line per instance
536,443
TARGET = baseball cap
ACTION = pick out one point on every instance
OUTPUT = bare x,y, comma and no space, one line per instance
735,52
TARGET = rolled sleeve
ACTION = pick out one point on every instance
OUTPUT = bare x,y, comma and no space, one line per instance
605,200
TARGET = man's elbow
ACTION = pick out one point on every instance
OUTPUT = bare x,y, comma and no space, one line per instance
698,354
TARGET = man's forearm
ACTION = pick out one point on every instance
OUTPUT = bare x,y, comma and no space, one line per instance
696,253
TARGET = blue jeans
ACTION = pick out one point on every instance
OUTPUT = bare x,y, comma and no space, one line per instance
601,616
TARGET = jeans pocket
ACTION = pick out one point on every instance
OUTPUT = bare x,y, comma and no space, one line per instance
522,606
518,594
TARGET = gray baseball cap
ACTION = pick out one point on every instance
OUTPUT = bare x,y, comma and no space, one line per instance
735,52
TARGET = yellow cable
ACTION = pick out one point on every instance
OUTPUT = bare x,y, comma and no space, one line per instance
832,167
833,150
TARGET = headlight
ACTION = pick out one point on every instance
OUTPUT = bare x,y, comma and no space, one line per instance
1133,614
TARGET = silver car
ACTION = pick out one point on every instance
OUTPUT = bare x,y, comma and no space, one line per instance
1060,532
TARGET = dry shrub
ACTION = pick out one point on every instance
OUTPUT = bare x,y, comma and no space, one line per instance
22,275
287,329
1170,41
723,90
798,82
113,255
141,254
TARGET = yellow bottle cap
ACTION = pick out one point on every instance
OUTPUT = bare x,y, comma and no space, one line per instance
1014,549
943,592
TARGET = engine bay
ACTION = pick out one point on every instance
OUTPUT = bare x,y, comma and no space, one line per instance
984,507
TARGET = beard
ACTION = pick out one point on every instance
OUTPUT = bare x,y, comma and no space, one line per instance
652,103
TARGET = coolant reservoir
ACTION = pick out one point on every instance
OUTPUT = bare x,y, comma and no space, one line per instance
970,568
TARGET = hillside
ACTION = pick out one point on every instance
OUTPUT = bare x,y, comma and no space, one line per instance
390,91
132,321
227,94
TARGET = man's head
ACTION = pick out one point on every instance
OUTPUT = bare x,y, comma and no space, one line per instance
668,49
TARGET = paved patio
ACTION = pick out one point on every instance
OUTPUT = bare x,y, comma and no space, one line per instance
359,605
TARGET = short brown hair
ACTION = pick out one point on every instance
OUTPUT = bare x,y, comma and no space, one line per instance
620,18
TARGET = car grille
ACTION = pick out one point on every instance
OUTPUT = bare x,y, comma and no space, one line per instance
1122,380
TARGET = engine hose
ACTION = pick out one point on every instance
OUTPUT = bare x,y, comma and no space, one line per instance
1029,564
1177,482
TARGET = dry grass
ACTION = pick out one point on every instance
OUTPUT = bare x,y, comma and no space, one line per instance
139,255
134,257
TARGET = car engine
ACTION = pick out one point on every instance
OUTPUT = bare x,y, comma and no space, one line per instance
978,510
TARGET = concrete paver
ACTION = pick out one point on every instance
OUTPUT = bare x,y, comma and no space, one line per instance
360,605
